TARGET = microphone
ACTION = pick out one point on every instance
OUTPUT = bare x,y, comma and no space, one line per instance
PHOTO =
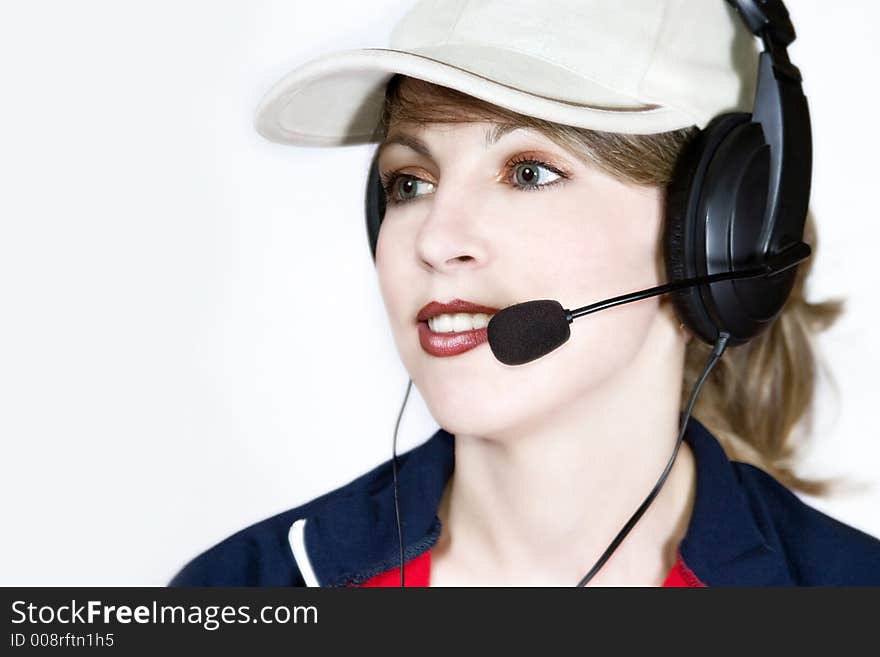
526,331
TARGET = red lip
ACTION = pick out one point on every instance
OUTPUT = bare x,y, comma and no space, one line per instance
455,306
451,344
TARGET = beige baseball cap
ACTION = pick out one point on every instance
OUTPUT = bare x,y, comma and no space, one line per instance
630,66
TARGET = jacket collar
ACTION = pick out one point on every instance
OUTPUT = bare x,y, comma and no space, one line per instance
724,544
354,537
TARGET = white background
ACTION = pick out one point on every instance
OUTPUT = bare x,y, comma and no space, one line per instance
191,332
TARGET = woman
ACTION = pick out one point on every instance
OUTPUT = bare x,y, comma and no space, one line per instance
537,467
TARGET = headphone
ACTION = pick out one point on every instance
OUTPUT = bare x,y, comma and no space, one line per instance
738,196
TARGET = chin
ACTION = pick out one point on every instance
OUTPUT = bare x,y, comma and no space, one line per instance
464,410
468,426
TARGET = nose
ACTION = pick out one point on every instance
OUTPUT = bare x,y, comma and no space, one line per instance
452,235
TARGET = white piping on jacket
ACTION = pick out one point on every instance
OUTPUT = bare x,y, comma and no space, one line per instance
297,538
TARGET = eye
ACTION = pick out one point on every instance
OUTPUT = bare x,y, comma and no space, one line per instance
400,188
528,174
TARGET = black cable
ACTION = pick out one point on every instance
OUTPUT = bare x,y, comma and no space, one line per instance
717,351
394,471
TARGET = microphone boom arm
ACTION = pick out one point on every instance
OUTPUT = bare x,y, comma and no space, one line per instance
774,265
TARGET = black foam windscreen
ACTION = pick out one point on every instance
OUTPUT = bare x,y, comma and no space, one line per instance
526,331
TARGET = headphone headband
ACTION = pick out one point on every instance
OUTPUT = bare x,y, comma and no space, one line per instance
766,19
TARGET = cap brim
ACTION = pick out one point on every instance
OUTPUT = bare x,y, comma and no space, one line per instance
337,100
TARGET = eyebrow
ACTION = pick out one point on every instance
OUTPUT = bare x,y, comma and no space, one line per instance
491,137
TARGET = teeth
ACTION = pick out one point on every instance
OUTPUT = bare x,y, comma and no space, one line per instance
458,322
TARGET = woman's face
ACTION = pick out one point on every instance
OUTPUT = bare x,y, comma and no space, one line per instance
462,222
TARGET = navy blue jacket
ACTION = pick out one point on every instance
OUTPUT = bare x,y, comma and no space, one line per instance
746,529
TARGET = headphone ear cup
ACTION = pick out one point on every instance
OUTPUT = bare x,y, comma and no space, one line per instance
684,254
374,206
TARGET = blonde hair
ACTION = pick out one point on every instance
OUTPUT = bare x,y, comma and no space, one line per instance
759,396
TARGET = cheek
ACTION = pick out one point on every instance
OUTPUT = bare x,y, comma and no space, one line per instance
604,245
390,276
598,254
394,272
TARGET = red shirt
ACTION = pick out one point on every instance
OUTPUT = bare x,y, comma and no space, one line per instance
418,573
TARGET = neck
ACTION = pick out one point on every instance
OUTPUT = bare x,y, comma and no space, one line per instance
541,503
